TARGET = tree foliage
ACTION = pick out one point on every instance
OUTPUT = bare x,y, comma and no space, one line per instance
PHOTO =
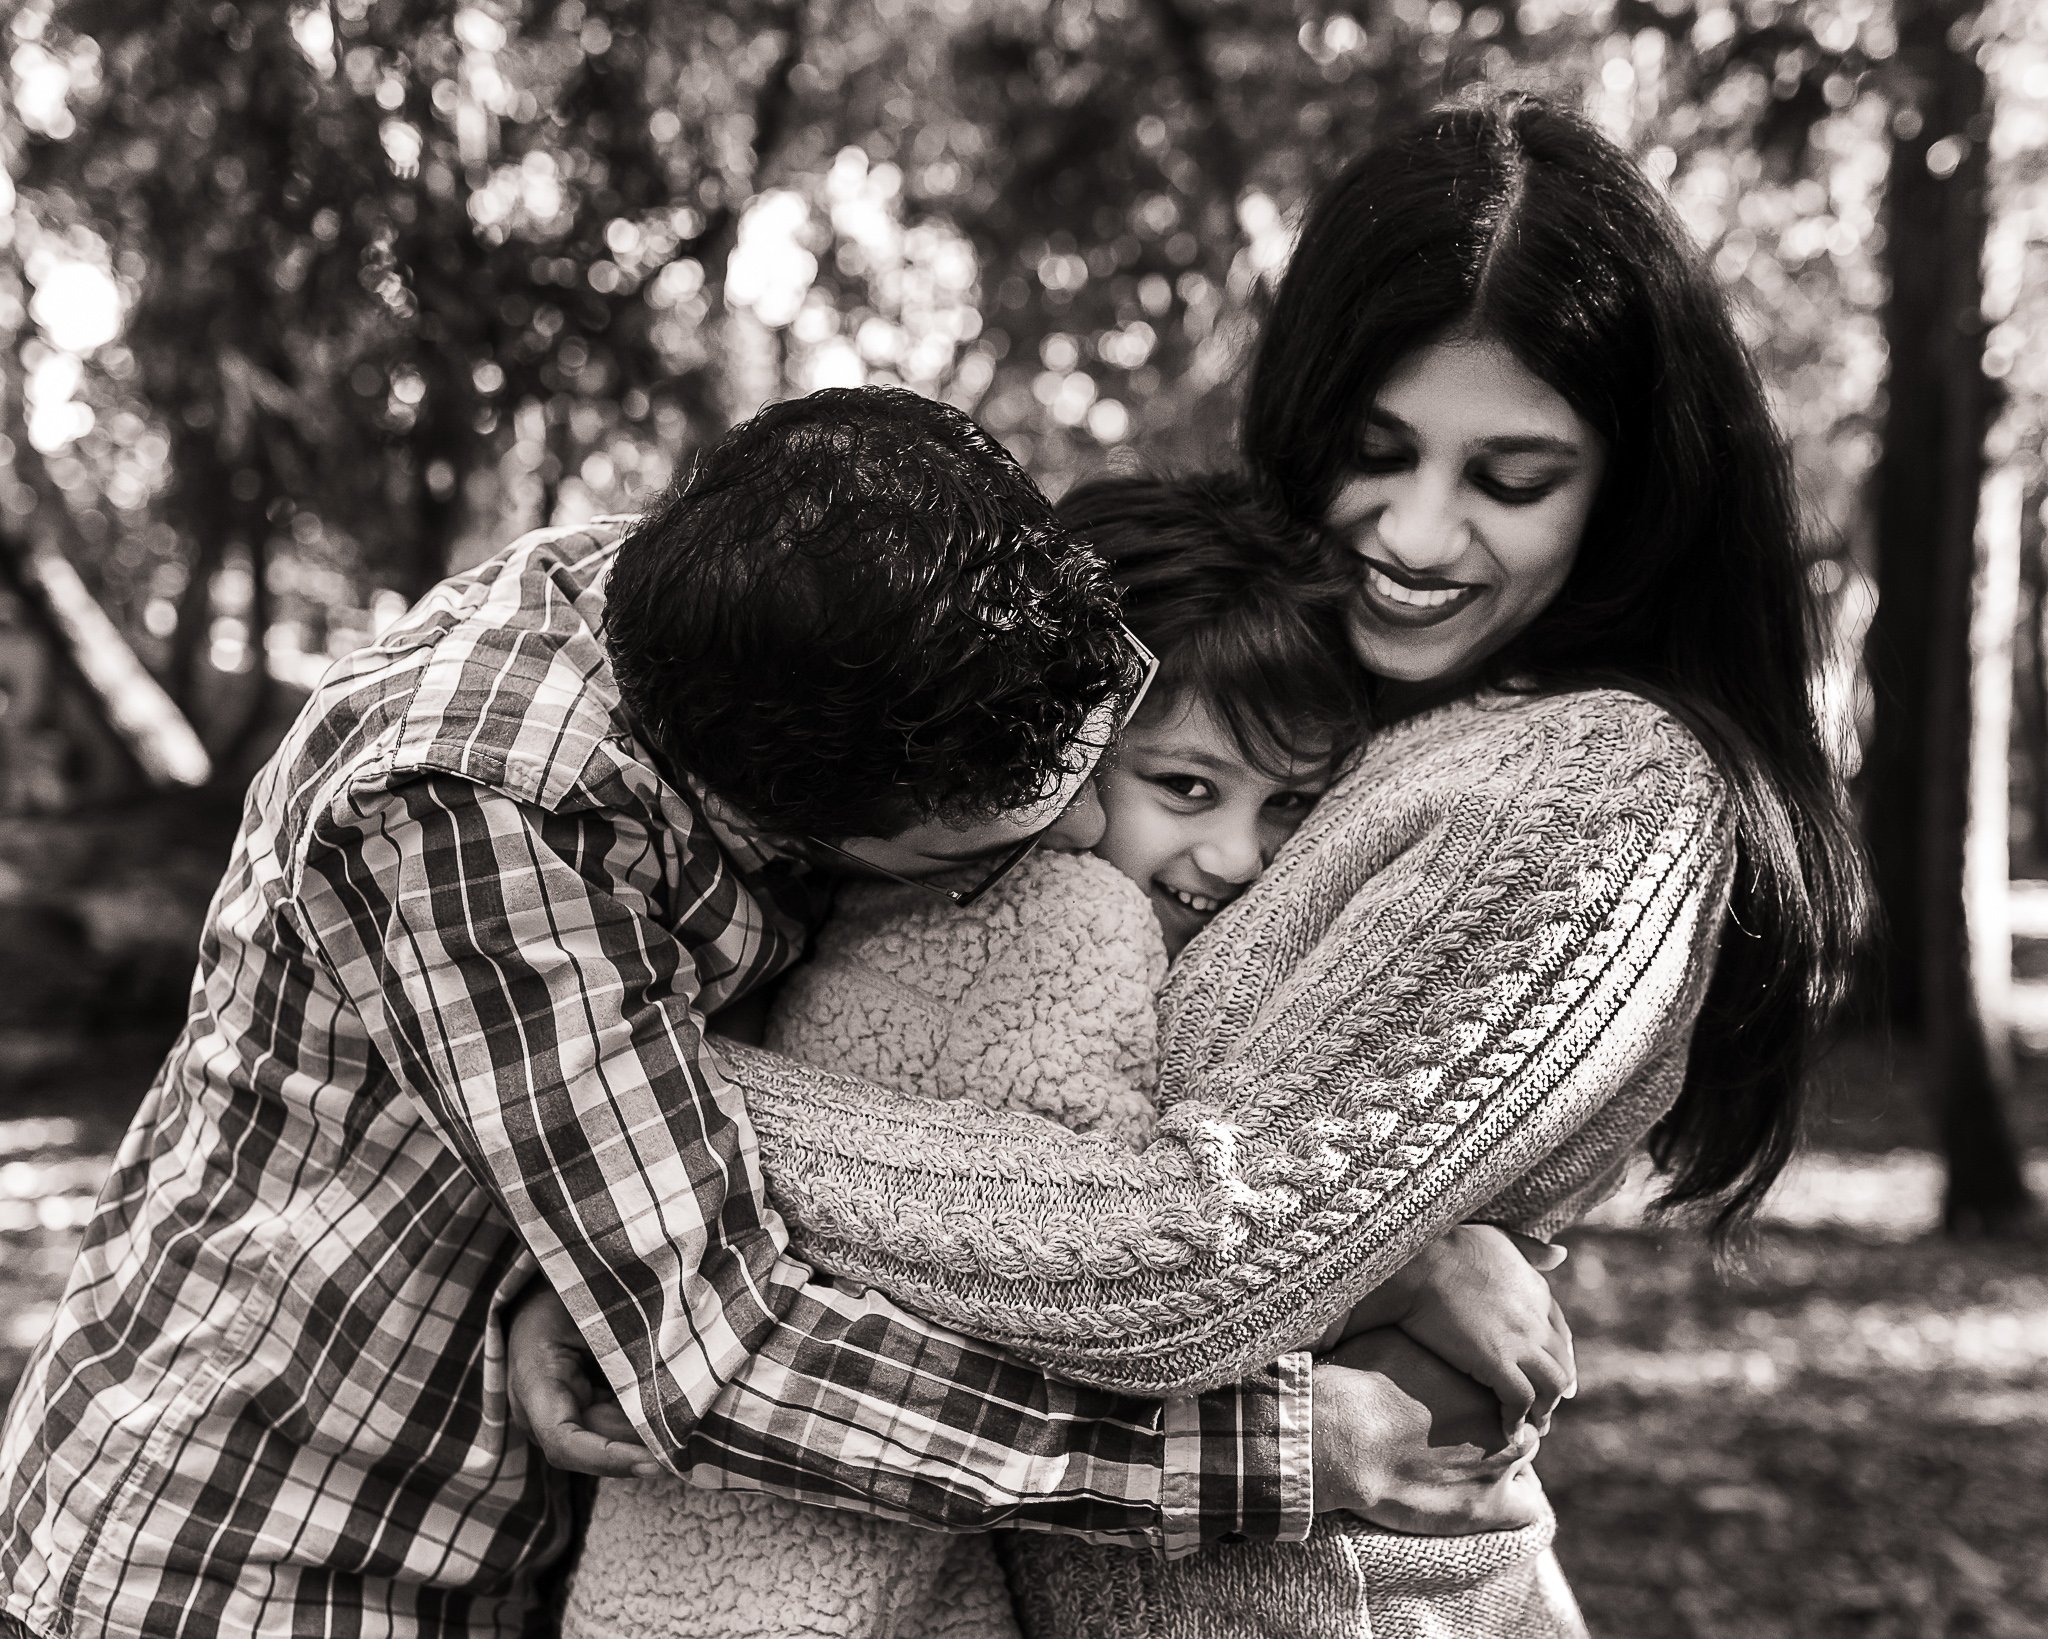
397,279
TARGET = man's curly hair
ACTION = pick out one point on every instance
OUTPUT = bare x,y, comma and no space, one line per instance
859,613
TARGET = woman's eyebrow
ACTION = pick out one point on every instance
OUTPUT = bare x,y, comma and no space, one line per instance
1530,444
1503,444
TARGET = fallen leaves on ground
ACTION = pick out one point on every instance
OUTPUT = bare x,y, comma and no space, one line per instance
1847,1437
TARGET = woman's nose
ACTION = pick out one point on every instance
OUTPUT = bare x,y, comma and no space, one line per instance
1081,826
1420,529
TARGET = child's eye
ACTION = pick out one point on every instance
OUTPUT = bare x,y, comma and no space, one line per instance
1292,803
1191,787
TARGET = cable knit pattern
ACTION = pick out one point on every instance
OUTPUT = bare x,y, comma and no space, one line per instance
1466,988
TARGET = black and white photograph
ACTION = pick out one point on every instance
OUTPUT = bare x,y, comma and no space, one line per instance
1023,819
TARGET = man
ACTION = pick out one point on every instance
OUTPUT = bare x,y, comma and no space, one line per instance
447,1033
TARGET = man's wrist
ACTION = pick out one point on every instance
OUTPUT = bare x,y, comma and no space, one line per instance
1392,1301
1239,1463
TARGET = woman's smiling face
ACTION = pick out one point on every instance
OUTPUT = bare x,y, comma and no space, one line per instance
1464,504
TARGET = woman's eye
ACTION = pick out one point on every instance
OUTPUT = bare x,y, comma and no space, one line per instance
1376,458
1515,491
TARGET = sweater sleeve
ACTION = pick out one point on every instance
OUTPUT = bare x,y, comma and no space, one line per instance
1485,933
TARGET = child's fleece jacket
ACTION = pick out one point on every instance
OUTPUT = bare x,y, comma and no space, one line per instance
1042,997
1041,993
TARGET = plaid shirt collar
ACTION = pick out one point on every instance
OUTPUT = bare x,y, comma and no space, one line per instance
751,848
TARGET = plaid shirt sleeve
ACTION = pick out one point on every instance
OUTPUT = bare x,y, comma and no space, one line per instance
517,969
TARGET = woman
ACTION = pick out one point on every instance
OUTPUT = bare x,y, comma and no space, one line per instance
1593,887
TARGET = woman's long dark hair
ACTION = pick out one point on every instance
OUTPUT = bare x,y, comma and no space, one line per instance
1510,220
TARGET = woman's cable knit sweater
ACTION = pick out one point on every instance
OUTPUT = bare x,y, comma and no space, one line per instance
1466,989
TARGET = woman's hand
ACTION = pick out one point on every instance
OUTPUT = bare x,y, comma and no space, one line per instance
555,1400
1476,1297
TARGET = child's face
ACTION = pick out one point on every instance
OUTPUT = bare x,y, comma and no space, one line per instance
1190,820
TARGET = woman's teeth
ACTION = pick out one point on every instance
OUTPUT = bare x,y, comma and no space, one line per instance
1412,597
1194,901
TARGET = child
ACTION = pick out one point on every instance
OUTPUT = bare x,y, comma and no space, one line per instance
1039,996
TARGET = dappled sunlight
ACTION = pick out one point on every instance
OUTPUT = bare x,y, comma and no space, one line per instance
1829,1339
1847,1285
1893,1195
49,1179
1020,209
1846,1435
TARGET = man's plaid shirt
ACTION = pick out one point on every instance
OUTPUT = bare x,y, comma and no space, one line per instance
446,1031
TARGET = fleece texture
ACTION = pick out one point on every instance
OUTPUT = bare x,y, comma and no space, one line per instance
1039,997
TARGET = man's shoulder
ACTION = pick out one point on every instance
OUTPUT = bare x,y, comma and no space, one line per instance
498,676
515,689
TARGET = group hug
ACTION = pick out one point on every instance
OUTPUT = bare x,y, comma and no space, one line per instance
863,1053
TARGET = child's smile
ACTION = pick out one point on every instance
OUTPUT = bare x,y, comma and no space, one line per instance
1191,819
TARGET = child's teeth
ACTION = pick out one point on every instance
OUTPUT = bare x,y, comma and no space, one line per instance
1195,901
1394,592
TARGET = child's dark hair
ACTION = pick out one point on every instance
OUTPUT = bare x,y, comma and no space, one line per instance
859,613
1239,604
1507,219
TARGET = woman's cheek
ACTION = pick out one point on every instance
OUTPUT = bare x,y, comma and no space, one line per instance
1351,508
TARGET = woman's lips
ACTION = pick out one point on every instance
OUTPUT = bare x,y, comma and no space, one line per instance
1396,603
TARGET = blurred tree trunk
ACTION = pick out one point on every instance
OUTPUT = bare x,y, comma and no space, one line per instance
2032,687
709,399
2030,699
1938,407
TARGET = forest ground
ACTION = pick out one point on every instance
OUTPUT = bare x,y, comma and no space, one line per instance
1847,1436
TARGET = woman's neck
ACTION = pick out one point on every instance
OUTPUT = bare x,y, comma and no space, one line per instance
1397,699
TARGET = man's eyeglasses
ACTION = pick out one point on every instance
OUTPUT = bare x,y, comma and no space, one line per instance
1098,733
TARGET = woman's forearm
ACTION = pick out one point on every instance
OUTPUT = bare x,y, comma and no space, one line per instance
1492,971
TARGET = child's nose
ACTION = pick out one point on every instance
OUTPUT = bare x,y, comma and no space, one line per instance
1081,826
1230,854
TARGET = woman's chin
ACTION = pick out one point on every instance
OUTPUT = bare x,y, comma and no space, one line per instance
1412,655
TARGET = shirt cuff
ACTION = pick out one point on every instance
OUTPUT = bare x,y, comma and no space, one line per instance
1239,1462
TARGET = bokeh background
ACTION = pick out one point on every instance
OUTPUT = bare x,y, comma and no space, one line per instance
306,302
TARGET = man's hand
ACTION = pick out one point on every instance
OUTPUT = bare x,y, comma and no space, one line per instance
552,1384
1476,1297
1410,1444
